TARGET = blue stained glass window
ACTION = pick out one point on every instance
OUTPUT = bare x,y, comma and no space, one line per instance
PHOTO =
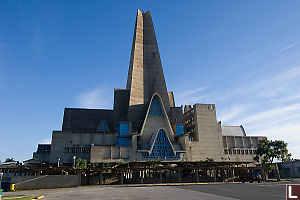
103,127
155,108
162,148
122,141
179,129
123,129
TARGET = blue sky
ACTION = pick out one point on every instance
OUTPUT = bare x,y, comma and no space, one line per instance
244,56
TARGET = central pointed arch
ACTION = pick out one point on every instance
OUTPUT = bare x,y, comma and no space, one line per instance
157,108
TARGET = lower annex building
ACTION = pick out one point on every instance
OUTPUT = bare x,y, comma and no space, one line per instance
145,123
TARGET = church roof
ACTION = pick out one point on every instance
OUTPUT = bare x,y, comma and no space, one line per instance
233,131
176,115
86,120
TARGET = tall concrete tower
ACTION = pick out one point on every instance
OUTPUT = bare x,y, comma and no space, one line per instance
145,74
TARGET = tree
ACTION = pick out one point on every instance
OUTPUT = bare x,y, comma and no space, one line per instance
267,151
10,160
81,164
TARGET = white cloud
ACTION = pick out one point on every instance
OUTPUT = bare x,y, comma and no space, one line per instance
270,107
100,97
232,112
266,49
288,47
276,123
272,86
190,96
272,114
193,91
290,98
45,141
289,132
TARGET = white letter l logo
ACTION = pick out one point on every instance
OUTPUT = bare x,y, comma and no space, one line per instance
290,193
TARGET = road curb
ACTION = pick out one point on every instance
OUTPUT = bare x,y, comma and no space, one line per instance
39,197
166,184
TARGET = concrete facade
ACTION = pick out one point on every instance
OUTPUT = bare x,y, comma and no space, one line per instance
206,136
289,169
145,123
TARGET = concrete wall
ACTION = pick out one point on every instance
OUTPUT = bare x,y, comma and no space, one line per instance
107,153
290,169
62,139
43,157
45,182
154,124
208,142
240,148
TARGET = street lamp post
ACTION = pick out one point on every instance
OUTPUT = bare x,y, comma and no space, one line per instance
74,161
58,161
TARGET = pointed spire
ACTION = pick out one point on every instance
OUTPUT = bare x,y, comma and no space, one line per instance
135,79
145,74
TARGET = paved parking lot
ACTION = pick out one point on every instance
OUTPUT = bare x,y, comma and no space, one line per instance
247,191
263,191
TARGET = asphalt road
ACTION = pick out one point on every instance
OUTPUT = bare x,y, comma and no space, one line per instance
221,191
247,191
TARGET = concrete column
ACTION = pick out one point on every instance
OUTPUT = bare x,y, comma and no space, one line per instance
293,174
136,175
88,178
121,178
234,141
141,176
179,176
79,179
160,177
197,176
223,175
231,174
215,174
264,175
100,178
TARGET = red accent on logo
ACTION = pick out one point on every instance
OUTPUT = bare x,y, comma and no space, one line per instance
293,191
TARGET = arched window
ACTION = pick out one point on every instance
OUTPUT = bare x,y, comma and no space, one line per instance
155,108
162,148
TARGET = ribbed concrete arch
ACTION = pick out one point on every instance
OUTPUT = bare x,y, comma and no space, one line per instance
157,126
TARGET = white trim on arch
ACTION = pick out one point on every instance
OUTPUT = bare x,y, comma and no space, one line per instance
165,114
